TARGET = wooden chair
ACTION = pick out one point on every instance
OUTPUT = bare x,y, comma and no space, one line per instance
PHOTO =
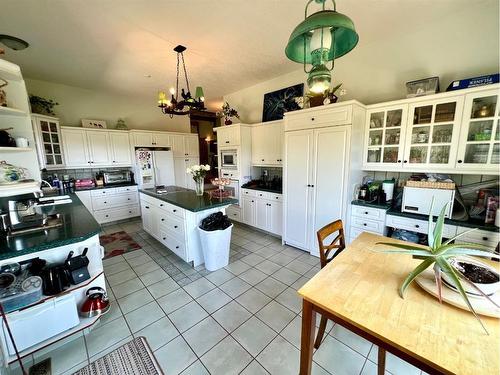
326,254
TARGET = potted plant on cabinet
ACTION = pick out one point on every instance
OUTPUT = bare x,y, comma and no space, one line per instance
228,112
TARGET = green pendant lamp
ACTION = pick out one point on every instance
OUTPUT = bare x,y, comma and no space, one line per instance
321,38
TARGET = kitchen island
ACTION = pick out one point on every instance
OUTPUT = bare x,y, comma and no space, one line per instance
78,230
173,217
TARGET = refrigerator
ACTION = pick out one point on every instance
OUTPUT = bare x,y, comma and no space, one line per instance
154,167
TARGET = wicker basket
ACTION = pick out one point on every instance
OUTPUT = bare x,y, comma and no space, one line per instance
431,185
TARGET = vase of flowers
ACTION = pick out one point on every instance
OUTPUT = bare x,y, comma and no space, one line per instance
198,172
228,112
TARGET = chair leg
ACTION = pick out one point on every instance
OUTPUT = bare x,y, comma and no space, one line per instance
381,361
321,332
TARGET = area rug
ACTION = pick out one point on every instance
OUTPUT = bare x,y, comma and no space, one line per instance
133,358
117,244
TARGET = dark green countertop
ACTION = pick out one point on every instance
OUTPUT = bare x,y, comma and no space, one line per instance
384,206
471,223
188,199
258,188
78,225
106,186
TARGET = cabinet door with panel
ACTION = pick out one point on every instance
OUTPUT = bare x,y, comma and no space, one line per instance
143,139
261,213
99,147
275,217
248,210
180,172
191,145
49,142
479,146
298,150
120,148
228,136
177,144
75,147
384,137
329,179
161,140
432,134
259,145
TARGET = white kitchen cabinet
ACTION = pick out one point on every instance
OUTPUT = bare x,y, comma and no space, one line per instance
142,139
98,147
248,210
191,145
161,140
384,136
120,148
267,144
75,147
48,141
479,146
298,155
228,135
275,217
149,219
178,146
261,214
183,179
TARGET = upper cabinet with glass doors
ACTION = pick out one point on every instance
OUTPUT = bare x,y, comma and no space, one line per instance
432,134
480,137
384,136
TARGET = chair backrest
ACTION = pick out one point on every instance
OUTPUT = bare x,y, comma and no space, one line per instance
328,252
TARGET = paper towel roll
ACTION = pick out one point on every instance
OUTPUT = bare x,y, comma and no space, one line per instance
497,218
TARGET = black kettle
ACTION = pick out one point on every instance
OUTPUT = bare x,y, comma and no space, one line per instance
55,279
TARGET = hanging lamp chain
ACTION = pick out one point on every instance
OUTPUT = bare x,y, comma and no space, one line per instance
177,80
185,73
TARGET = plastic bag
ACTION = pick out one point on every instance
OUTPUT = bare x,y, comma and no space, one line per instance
215,221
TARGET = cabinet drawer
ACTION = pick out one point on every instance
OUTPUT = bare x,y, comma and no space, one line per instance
332,116
248,193
126,189
103,203
368,212
102,192
114,214
355,232
270,196
415,225
368,225
172,224
482,237
233,213
169,208
173,244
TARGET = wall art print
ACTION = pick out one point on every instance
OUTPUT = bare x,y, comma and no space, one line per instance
278,102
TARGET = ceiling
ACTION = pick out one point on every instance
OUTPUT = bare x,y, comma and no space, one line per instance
125,46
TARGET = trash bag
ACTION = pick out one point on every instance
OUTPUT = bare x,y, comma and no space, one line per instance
216,221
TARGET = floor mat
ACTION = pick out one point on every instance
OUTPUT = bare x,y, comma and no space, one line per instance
132,358
117,244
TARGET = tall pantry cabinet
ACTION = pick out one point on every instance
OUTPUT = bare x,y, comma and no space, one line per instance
323,156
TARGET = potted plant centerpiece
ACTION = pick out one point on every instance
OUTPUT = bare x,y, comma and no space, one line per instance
453,263
198,172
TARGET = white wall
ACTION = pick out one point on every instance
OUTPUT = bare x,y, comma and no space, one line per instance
76,103
464,45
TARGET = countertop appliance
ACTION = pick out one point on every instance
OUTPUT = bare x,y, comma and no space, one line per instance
117,177
418,200
97,303
229,158
23,214
154,166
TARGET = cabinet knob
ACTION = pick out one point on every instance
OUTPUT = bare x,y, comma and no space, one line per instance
312,185
176,226
485,238
128,199
130,212
161,204
174,210
308,185
164,238
105,202
252,201
107,215
399,161
177,247
146,207
162,219
406,161
417,226
364,224
88,162
460,161
277,197
366,212
227,141
312,118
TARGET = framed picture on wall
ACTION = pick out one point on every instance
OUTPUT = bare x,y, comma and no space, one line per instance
278,102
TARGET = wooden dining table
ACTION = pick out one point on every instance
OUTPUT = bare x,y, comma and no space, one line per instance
359,290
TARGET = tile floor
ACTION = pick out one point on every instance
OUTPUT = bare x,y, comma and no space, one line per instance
242,319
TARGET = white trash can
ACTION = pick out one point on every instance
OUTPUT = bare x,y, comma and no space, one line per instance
215,245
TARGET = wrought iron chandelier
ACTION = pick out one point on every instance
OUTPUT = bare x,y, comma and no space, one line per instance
184,105
321,38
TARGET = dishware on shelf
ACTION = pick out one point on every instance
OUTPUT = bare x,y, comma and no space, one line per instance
22,142
12,174
5,138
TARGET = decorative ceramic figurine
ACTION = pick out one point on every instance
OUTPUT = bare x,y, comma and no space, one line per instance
3,94
11,174
120,125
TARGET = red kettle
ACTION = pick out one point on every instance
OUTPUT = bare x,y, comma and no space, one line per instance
97,303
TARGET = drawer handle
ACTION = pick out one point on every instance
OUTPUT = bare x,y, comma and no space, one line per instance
485,238
164,238
174,210
417,226
261,159
312,118
366,212
460,161
227,141
146,207
176,226
106,215
105,202
161,204
364,224
277,197
260,195
253,201
128,199
130,212
177,247
162,219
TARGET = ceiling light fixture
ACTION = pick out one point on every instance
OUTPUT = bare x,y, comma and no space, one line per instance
13,43
322,37
174,106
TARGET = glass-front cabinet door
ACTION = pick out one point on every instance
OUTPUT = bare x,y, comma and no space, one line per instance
480,137
432,134
385,127
49,142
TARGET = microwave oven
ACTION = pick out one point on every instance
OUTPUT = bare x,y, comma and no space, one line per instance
117,177
229,159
